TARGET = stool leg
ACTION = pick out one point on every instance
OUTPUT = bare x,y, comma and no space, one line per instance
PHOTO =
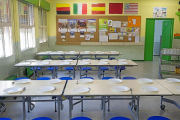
86,73
55,105
103,73
81,104
108,104
42,70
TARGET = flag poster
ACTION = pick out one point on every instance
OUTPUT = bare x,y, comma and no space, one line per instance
72,25
115,8
81,25
80,8
130,8
91,25
63,8
98,8
103,24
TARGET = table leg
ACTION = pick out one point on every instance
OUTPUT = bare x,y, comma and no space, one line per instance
99,72
70,108
80,72
95,57
53,74
58,102
119,72
34,70
24,112
137,110
108,56
73,72
104,107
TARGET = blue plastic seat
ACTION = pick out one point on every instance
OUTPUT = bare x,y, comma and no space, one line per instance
103,69
87,77
86,69
68,68
48,58
98,58
73,58
81,118
44,78
157,118
86,58
60,58
21,78
120,118
51,68
5,119
65,78
126,78
39,68
107,78
42,118
111,58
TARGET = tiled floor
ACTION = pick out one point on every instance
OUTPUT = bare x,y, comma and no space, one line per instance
149,106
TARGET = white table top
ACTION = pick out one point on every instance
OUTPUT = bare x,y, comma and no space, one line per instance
58,53
103,87
110,63
100,53
31,88
170,86
38,63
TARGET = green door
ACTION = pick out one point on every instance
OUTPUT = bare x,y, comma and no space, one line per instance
166,37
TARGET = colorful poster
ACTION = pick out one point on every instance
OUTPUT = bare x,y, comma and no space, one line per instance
160,12
112,30
81,33
136,29
121,38
63,34
80,8
115,8
87,37
109,22
72,25
72,34
81,25
103,38
135,33
122,34
116,24
62,24
102,33
134,21
63,8
124,24
103,24
98,8
91,25
123,29
92,34
129,34
113,36
129,29
130,8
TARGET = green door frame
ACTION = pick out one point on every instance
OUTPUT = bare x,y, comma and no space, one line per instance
149,37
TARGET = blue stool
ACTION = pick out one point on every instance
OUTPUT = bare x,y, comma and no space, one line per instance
111,58
69,69
65,78
158,118
86,57
98,58
103,69
86,69
52,68
73,58
5,119
42,118
60,58
44,78
36,68
107,78
126,78
81,118
48,58
120,118
21,78
87,77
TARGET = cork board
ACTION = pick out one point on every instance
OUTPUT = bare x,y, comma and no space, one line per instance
77,40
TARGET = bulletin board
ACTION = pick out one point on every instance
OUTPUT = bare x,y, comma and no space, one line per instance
77,40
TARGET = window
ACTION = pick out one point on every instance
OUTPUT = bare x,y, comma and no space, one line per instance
42,26
6,48
27,29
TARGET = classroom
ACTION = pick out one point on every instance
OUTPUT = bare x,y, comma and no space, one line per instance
89,60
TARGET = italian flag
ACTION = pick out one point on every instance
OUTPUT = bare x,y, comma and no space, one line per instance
80,8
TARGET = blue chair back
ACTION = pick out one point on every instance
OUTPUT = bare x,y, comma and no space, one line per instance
120,118
65,78
87,77
81,118
126,78
158,118
5,119
42,118
44,78
107,78
21,78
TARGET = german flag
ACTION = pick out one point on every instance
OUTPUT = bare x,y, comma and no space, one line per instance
63,8
98,8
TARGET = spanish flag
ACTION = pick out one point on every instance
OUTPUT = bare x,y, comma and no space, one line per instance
63,8
98,8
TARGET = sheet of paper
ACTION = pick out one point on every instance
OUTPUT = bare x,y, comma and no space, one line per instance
116,24
124,23
122,34
72,34
113,36
112,30
135,33
103,38
121,38
87,37
92,34
129,29
109,22
129,38
135,29
62,24
102,33
160,12
129,34
137,39
123,29
91,25
63,34
81,33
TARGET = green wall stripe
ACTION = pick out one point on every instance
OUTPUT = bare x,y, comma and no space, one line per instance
34,2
